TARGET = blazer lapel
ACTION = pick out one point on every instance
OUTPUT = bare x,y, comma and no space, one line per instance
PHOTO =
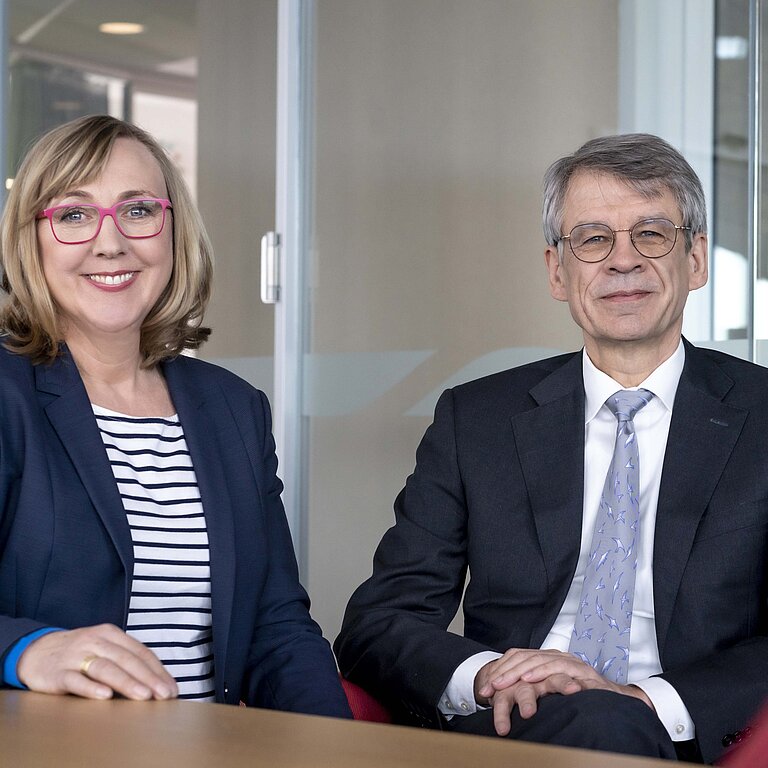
202,416
68,408
550,444
702,435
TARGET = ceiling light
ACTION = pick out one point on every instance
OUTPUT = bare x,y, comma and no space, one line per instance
121,28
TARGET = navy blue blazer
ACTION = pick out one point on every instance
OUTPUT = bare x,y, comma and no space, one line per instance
498,490
66,556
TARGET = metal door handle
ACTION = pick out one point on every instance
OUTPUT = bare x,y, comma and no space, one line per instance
270,268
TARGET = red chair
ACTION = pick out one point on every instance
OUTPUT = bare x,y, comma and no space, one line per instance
363,705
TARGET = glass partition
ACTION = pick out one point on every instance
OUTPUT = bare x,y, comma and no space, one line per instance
740,226
434,124
760,180
729,241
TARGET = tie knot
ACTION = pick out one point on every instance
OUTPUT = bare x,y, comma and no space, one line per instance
625,403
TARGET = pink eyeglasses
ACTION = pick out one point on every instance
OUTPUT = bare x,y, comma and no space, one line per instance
75,223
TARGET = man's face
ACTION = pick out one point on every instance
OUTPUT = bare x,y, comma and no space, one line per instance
626,298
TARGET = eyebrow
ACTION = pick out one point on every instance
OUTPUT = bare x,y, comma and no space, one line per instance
667,216
130,194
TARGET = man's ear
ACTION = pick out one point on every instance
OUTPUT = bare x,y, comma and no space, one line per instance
698,262
555,273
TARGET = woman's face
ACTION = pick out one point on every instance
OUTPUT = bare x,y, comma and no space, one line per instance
104,288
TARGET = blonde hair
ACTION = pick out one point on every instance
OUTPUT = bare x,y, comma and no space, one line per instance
72,154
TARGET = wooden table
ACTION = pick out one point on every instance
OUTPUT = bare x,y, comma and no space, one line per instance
66,732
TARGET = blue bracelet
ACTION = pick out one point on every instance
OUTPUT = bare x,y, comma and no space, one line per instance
12,659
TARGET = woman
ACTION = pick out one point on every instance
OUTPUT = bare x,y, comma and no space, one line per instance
144,549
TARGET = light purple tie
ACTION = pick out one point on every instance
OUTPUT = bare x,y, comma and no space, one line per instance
604,616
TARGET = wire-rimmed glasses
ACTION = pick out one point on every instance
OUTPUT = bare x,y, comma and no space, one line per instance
652,238
75,223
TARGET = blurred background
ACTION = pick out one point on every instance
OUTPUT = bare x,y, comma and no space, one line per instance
396,148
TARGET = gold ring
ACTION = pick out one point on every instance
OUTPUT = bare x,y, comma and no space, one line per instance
85,664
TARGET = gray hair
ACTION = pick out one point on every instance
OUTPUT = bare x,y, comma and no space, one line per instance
646,163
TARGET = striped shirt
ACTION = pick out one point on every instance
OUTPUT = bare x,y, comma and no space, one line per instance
170,604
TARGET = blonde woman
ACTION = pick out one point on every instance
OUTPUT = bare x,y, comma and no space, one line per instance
144,550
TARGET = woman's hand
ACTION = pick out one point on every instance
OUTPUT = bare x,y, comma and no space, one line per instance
96,663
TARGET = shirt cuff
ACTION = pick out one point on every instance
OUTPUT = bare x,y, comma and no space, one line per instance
13,656
669,707
459,696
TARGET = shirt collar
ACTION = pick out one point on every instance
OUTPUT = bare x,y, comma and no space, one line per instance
663,381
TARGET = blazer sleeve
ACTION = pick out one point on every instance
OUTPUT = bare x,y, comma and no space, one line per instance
393,639
711,546
290,665
12,627
723,691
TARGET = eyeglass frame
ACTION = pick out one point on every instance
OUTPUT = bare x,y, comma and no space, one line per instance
614,232
47,213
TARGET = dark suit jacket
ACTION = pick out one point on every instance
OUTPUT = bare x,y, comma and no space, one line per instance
66,556
498,490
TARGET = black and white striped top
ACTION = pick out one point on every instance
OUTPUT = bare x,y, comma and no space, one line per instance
170,604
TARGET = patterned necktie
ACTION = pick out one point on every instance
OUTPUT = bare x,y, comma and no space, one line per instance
604,617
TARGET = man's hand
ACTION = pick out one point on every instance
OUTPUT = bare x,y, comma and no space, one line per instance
96,663
522,676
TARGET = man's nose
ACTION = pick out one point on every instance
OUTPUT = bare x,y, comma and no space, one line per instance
624,257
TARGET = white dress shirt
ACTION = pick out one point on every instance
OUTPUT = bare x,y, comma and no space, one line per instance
652,428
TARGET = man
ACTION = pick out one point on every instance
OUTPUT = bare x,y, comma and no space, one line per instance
603,617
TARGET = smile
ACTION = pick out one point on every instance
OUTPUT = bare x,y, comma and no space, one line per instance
626,295
123,277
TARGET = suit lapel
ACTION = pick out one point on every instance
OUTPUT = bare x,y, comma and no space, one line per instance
203,418
68,409
702,435
550,444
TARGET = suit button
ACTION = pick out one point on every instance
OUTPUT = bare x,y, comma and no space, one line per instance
728,739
